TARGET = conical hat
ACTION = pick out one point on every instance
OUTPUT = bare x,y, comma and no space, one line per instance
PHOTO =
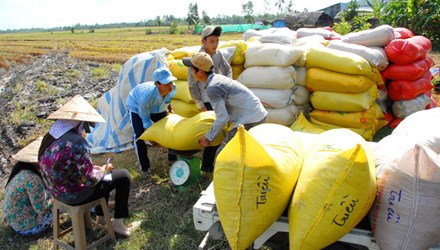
77,109
29,153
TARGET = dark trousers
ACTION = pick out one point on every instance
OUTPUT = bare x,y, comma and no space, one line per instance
121,182
140,146
209,152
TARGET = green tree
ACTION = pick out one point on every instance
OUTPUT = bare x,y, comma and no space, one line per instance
377,6
206,19
193,14
174,27
284,6
352,10
342,27
248,11
158,21
422,17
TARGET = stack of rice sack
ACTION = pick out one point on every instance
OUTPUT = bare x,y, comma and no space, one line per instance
344,91
405,213
182,102
408,76
270,74
344,78
254,178
335,190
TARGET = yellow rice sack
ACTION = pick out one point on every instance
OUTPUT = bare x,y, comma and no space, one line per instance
332,101
303,125
335,190
366,133
338,61
179,133
184,109
364,119
318,79
236,70
185,51
182,91
178,70
240,50
254,177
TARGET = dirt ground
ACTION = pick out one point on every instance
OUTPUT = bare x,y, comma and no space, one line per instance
40,87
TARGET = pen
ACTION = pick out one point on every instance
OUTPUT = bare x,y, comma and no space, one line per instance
108,162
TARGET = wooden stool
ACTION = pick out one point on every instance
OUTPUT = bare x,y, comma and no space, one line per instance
78,215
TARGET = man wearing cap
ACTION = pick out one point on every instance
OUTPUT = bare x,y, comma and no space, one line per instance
149,102
210,39
67,168
231,100
27,205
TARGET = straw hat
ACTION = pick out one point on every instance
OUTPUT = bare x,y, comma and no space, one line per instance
77,109
29,153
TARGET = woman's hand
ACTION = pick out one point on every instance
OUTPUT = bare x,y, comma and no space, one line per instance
107,168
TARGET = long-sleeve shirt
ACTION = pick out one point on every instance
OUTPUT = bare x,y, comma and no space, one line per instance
232,101
145,99
67,169
197,89
26,201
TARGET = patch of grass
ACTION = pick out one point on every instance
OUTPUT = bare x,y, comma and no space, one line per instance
43,87
21,114
99,73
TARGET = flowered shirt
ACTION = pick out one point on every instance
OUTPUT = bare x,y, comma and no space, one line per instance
25,202
67,169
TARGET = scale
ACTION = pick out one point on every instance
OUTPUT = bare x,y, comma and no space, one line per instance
185,171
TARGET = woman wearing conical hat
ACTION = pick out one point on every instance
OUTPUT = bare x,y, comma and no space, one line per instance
67,167
27,206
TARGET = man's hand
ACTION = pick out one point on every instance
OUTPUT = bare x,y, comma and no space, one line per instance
204,142
203,109
170,109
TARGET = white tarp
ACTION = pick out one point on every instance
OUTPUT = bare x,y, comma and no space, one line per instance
117,134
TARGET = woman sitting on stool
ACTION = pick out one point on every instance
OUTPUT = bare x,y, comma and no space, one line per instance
67,167
27,206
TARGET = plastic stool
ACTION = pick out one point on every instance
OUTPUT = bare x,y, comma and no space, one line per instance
79,215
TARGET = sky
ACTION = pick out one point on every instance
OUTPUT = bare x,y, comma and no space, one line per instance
20,14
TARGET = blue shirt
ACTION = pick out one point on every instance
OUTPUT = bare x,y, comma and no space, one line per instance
145,99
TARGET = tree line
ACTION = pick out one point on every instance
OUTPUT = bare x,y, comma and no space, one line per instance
420,16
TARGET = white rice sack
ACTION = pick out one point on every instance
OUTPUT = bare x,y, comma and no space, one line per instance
253,33
403,109
392,147
283,116
271,54
268,77
300,96
310,41
304,32
420,123
274,98
301,73
279,35
228,53
405,213
379,36
372,55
